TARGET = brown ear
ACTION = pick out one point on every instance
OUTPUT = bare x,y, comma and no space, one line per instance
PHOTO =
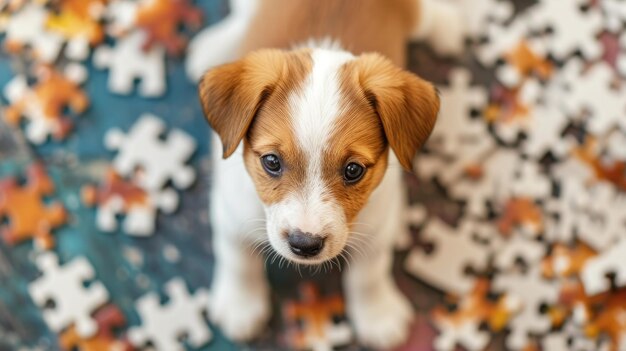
232,94
406,104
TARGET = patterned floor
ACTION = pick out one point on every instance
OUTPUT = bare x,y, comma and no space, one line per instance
456,181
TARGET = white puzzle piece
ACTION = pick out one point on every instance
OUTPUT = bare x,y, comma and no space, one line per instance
454,249
27,27
159,160
163,325
128,62
610,261
455,127
529,290
64,285
572,29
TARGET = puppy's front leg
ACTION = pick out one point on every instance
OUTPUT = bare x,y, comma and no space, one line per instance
380,313
240,294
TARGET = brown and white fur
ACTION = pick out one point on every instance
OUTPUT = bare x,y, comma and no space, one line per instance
319,84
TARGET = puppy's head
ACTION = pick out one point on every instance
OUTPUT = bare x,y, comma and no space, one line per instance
317,126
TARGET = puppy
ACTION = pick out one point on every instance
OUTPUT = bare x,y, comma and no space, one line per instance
315,124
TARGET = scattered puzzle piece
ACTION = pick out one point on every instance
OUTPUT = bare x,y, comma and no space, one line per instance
609,261
127,62
78,21
566,261
314,316
518,248
108,318
520,213
454,250
461,326
528,291
26,28
572,28
614,12
28,216
73,303
159,160
161,19
164,324
43,104
522,62
455,128
590,90
118,196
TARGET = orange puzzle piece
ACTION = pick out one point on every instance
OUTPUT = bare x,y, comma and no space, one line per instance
565,261
613,172
527,62
108,318
29,217
114,186
79,19
162,20
315,314
45,102
520,212
477,307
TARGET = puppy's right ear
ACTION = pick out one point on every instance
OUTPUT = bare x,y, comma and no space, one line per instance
232,94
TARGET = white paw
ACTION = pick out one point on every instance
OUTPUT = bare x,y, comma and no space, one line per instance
240,309
381,320
448,35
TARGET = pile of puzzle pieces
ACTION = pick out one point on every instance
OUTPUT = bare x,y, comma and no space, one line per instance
50,43
536,158
53,40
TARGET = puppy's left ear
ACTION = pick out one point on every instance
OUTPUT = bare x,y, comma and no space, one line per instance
406,104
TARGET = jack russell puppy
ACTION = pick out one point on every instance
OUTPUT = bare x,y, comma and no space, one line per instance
314,125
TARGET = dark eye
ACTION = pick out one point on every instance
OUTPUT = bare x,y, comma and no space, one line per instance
271,164
353,172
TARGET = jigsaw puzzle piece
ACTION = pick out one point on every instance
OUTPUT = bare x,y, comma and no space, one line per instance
163,325
312,324
44,104
27,213
518,248
128,62
455,126
78,22
504,175
107,318
501,41
528,291
566,261
572,28
610,261
614,14
521,214
159,160
525,60
73,302
590,90
27,28
118,196
454,250
161,19
462,325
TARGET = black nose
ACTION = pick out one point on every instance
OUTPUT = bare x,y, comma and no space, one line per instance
305,244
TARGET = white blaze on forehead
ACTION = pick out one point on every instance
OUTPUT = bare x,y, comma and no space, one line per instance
314,110
315,107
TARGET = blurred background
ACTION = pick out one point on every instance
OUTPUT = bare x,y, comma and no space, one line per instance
517,216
